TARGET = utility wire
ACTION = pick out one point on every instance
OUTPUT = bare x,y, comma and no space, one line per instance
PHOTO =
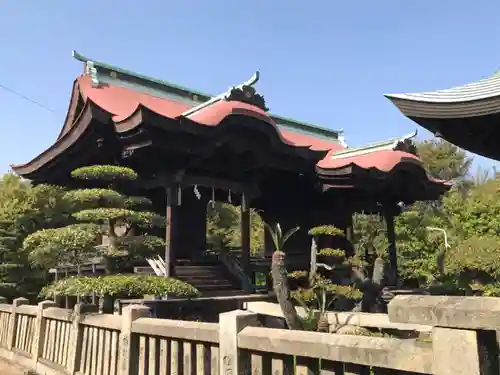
26,98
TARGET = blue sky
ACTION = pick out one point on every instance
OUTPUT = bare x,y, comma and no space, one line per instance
326,62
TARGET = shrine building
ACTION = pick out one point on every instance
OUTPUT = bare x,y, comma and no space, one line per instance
190,148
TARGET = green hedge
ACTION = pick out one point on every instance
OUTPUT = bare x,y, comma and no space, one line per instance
120,286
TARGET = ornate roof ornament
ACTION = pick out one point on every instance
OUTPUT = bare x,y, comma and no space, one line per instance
406,143
91,71
246,93
90,68
342,141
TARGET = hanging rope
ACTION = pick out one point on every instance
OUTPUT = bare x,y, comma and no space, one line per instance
179,195
244,205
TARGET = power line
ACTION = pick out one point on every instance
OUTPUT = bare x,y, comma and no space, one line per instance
26,98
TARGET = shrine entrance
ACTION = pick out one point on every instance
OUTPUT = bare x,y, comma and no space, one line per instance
191,149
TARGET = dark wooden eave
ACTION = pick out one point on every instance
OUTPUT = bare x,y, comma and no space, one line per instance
76,105
478,135
133,130
407,182
91,113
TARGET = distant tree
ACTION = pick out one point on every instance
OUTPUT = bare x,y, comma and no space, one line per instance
474,265
14,267
24,209
222,225
418,248
444,160
223,228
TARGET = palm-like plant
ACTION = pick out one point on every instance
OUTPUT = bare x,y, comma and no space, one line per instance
279,274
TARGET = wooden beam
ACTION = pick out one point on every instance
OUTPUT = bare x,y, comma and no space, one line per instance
165,180
245,236
170,228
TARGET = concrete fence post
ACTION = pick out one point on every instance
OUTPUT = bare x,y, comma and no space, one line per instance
464,352
463,334
233,362
128,344
11,337
40,329
76,335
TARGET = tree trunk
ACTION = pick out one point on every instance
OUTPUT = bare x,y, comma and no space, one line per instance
379,272
379,280
110,265
314,255
372,289
106,305
280,286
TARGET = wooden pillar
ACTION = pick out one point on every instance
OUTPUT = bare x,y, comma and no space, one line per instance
171,229
391,238
349,229
245,235
192,227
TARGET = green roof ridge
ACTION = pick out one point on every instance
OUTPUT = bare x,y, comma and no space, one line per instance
84,59
374,145
204,96
306,125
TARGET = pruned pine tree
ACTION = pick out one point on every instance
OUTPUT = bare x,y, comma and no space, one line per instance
334,277
110,225
103,213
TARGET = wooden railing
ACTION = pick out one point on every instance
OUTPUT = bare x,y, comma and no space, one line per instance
233,266
51,340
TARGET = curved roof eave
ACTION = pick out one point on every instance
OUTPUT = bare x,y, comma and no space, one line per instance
471,100
429,110
90,112
378,164
71,113
383,161
143,113
485,88
433,187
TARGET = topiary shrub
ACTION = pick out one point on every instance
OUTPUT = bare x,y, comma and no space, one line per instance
297,279
331,256
120,286
326,230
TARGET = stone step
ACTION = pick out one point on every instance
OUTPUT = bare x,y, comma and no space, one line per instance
203,288
207,281
205,276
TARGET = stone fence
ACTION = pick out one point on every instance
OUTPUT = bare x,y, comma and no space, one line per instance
51,340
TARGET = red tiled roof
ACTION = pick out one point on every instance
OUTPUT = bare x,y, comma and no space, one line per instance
122,103
213,114
383,160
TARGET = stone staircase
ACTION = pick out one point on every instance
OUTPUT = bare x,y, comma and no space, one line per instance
209,277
